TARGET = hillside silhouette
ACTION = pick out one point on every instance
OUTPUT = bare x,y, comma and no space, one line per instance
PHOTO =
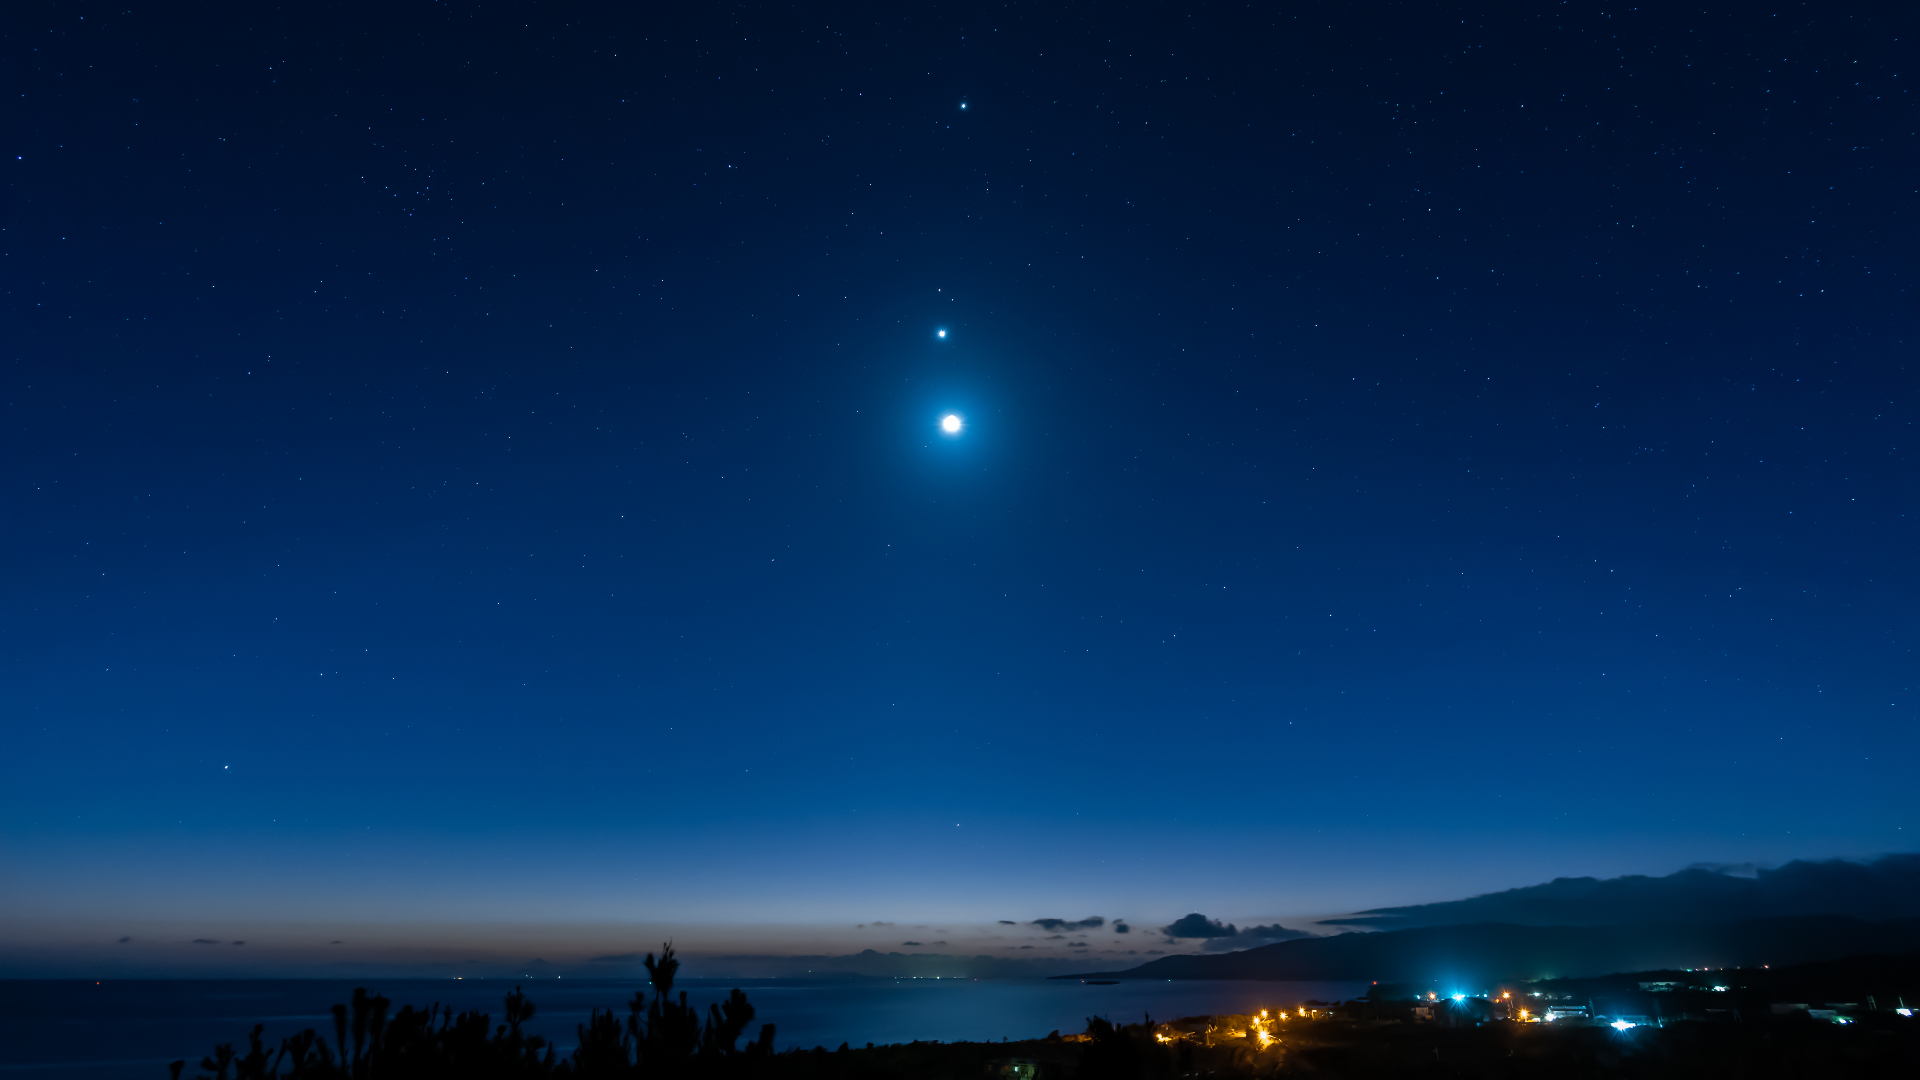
1484,952
1880,889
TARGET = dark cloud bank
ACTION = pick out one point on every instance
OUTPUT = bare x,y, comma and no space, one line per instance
1091,922
1217,936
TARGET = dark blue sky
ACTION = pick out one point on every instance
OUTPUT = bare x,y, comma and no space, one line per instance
481,461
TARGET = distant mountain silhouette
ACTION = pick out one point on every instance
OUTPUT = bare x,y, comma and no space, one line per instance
1884,888
1475,955
872,964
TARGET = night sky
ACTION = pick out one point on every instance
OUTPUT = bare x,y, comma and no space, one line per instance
481,465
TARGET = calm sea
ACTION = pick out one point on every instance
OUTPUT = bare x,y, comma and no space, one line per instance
132,1028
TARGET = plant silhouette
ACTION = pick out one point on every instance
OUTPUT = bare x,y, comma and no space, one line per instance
1122,1052
663,1038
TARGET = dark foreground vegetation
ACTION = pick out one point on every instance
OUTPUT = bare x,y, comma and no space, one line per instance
1738,1030
664,1038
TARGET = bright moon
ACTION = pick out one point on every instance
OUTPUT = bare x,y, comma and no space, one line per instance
939,333
950,424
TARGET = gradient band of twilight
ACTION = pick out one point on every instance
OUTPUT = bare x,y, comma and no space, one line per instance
478,485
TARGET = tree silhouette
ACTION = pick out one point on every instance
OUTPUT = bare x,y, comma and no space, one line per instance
1122,1052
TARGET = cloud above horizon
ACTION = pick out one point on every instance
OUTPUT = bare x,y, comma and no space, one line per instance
1091,922
1197,925
1223,937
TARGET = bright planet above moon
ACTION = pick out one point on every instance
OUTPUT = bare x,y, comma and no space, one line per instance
950,424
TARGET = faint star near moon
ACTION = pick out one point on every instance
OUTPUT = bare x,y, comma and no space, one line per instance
951,423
